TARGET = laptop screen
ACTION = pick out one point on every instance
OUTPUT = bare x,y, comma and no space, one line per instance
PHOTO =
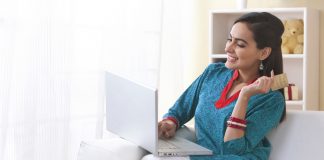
131,111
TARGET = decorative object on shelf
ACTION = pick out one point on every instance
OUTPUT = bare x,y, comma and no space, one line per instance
293,37
241,4
291,92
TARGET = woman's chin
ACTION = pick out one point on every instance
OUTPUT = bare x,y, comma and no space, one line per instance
229,65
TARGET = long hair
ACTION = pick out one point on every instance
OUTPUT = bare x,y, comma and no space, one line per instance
267,30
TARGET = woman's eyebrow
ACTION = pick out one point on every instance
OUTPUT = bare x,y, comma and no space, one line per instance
238,39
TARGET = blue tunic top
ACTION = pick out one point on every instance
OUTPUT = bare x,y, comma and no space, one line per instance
263,114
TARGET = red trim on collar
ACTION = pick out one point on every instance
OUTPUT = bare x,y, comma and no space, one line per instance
222,101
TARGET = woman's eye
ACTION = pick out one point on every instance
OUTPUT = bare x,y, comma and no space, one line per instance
241,45
237,43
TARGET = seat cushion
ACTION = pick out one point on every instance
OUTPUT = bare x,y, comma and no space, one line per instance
299,136
110,149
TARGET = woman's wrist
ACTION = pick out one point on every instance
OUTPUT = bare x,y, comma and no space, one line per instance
245,94
241,104
172,120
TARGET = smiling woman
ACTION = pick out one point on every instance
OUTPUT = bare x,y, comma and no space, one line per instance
232,103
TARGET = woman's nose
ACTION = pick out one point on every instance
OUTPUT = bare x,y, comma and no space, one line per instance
229,47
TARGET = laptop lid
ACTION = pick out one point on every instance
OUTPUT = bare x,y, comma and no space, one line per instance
131,111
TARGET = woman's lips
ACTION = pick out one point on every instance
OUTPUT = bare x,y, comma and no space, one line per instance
231,59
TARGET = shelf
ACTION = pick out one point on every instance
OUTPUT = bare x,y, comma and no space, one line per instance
218,56
293,56
285,56
299,102
295,105
272,10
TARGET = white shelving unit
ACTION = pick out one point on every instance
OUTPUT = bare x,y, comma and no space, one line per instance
301,69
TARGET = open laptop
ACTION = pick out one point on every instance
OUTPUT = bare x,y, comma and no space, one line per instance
131,110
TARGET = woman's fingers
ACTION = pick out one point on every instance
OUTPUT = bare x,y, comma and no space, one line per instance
261,85
160,130
264,84
166,129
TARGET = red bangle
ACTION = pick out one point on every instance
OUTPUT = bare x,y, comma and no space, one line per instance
236,126
234,119
174,120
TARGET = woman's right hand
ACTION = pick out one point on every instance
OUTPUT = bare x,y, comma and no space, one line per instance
167,129
261,85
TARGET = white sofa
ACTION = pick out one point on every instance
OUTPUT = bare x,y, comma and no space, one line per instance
299,137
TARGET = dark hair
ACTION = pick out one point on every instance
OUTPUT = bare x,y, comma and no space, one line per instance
267,30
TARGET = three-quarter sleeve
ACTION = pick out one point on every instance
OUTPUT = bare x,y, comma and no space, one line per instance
263,115
184,108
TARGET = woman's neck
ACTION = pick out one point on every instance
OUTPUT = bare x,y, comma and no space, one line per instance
247,77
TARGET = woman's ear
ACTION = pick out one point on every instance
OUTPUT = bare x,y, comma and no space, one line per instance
265,53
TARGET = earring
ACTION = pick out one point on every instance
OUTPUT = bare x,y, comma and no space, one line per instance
261,67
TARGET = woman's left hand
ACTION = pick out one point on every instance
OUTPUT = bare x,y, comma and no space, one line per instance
261,85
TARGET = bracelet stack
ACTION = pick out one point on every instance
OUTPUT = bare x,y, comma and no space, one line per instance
236,123
174,120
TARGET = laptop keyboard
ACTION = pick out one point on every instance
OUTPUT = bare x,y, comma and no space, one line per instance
166,145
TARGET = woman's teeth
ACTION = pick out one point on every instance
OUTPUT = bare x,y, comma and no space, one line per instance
231,59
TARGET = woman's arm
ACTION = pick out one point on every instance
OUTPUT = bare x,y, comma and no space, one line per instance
238,112
262,85
184,108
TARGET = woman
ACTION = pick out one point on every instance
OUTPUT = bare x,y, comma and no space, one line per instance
233,105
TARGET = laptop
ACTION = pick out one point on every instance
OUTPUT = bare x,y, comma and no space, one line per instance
131,113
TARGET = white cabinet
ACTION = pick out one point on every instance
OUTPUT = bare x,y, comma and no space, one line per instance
301,69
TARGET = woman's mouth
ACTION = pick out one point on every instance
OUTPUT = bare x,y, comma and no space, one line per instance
231,59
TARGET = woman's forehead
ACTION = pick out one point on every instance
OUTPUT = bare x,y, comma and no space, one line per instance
241,31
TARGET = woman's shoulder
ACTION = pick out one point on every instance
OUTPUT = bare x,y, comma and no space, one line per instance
216,65
277,95
273,102
272,97
216,71
219,66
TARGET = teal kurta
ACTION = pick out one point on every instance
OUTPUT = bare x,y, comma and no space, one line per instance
263,114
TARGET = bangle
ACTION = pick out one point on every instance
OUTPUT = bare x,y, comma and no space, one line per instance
174,120
235,126
238,120
236,123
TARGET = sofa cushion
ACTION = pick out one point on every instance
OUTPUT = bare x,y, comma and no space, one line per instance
110,149
300,136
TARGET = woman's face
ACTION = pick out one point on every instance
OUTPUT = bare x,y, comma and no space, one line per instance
241,49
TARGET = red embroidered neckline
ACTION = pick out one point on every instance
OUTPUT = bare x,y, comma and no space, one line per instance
222,101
